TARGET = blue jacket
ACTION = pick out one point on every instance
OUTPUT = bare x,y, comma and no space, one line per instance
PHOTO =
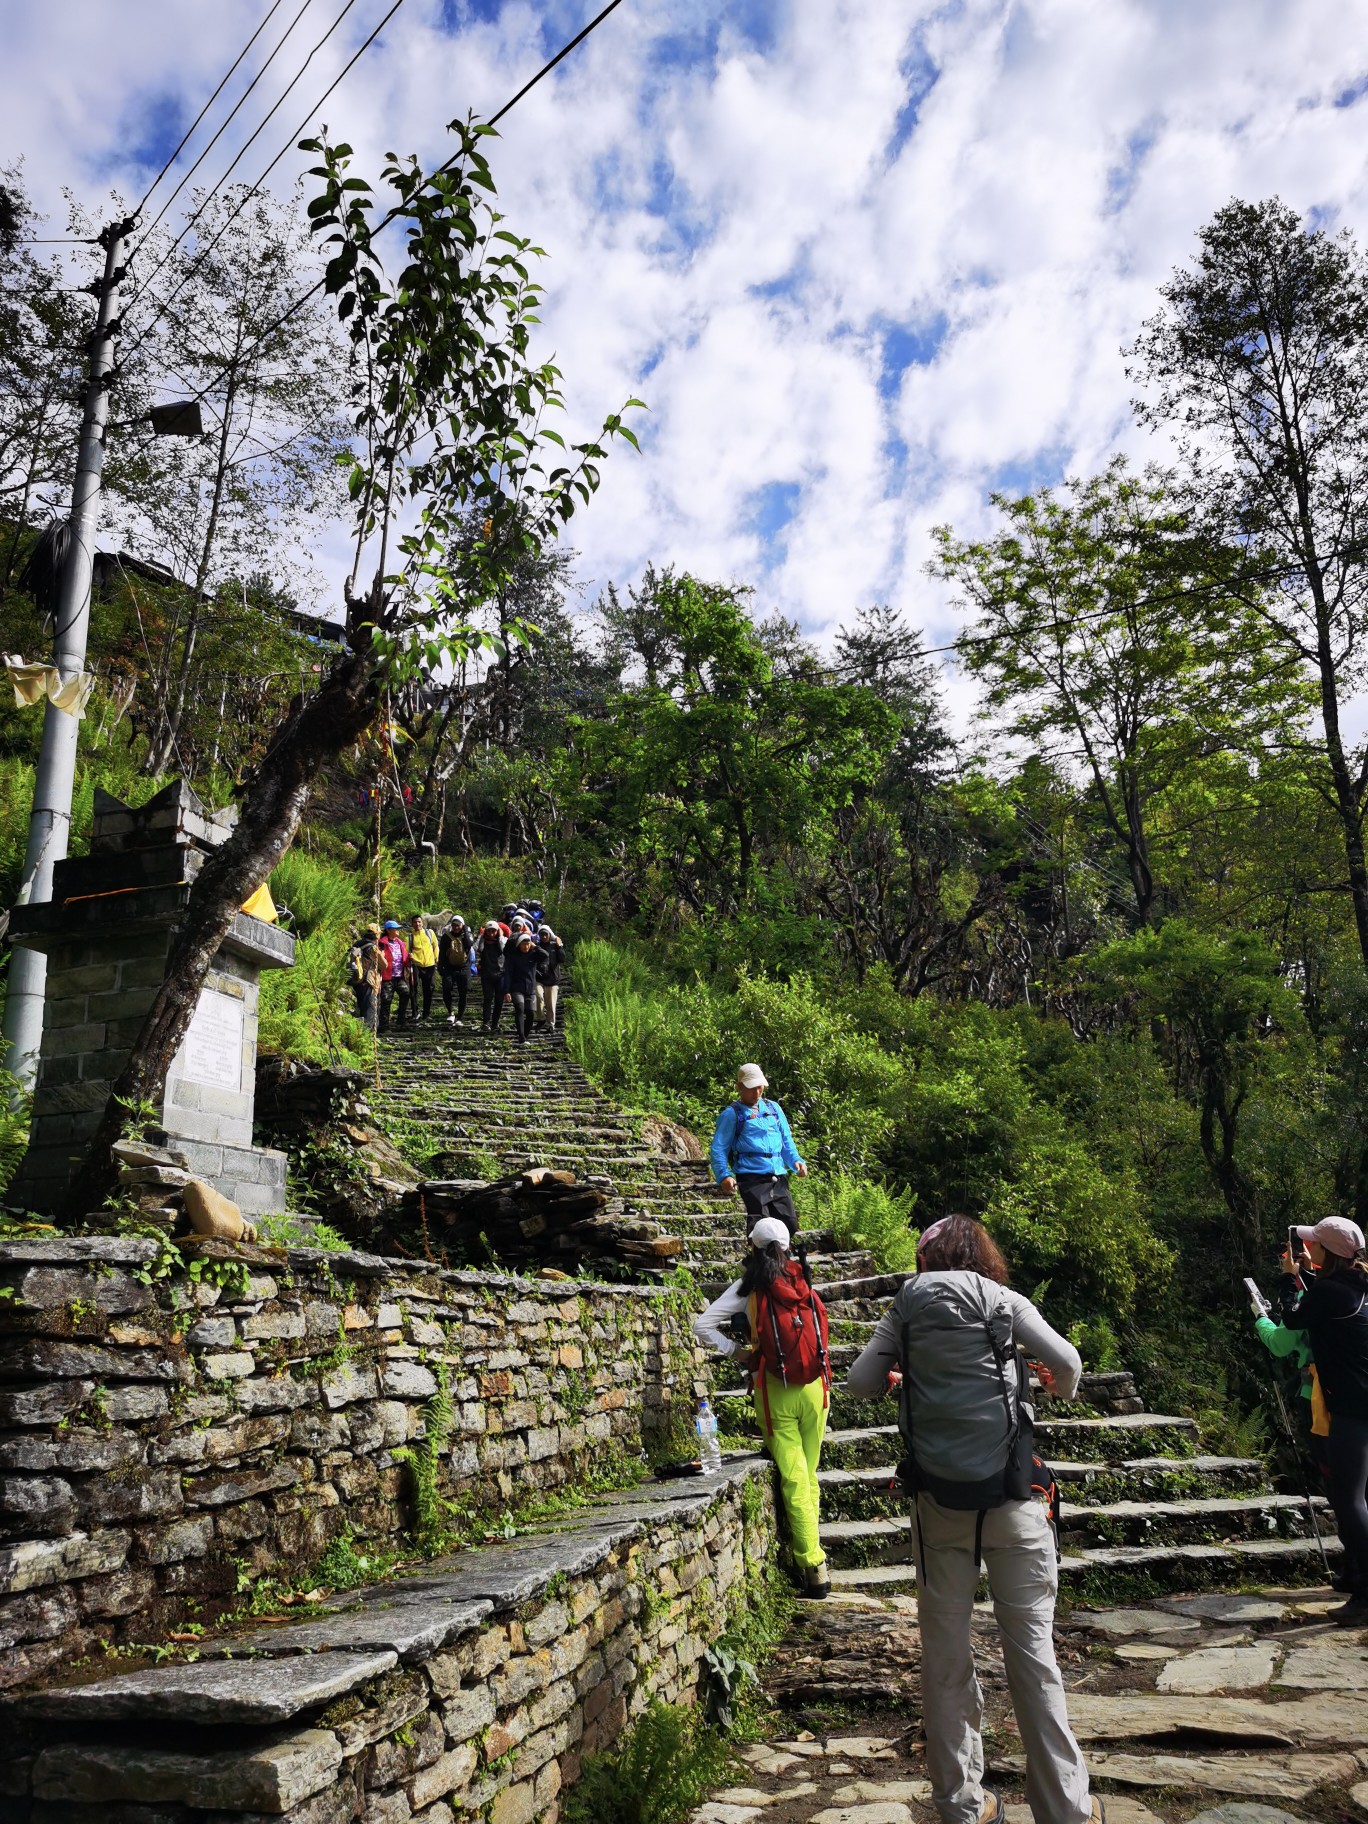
753,1140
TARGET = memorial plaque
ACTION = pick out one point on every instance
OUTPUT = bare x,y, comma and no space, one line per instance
213,1045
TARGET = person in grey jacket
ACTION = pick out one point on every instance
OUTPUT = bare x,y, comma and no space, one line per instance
958,1260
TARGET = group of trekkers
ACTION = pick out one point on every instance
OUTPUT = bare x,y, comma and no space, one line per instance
957,1347
517,959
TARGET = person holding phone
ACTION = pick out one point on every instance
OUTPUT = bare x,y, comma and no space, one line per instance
1332,1309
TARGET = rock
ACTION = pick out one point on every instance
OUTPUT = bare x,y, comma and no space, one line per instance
906,1792
1290,1776
1218,1669
881,1811
1330,1665
271,1776
413,1630
1120,1810
213,1214
1231,1608
1116,1719
1134,1621
1241,1812
1359,1794
1144,1650
213,1691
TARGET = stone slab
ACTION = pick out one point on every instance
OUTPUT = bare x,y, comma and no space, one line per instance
413,1630
1120,1810
1138,1715
1359,1794
885,1811
908,1792
1240,1812
1133,1621
1231,1608
272,1776
1288,1776
1218,1669
211,1691
1329,1665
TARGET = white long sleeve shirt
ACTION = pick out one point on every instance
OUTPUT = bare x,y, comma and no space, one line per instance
869,1371
708,1326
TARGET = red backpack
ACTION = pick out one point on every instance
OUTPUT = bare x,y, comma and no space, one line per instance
789,1328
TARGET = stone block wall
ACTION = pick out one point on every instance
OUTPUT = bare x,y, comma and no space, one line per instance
474,1692
164,1444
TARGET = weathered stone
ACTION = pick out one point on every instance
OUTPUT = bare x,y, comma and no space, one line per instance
212,1214
44,1357
145,1495
882,1811
348,1383
408,1381
466,1713
413,1629
1231,1608
38,1615
1290,1776
1135,1621
229,1487
405,1700
75,1450
182,1539
270,1777
1218,1669
1241,1812
46,1404
213,1691
1329,1665
47,1288
449,1774
33,1563
1138,1714
35,1504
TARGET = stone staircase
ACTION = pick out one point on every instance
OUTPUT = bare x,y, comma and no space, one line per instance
1143,1510
456,1097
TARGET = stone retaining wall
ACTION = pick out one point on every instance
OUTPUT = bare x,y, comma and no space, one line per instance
475,1688
164,1444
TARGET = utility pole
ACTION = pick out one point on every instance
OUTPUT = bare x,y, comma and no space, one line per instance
50,819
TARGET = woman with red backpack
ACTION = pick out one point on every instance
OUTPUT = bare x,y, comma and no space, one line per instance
788,1361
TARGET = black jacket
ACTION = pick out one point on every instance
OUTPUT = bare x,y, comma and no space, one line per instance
521,969
453,952
1334,1314
550,962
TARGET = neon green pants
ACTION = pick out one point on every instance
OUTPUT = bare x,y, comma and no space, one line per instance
798,1416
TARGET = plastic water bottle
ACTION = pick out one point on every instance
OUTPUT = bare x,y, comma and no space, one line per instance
709,1448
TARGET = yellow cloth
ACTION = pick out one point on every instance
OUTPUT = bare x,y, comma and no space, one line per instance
1320,1412
421,948
798,1416
33,680
261,905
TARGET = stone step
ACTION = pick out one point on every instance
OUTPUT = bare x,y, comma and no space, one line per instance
856,1494
1112,1572
1084,1441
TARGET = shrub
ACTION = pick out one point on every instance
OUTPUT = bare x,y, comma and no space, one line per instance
863,1214
664,1764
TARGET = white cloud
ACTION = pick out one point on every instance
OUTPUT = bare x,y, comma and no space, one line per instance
1058,167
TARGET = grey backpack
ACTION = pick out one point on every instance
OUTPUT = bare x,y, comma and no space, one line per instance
965,1413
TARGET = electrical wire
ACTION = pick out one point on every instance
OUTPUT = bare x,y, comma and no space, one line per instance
203,253
304,297
185,137
223,128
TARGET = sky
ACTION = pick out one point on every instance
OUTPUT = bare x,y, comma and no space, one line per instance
865,261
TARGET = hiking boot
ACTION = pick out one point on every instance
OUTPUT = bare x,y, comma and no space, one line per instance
992,1809
817,1582
1354,1613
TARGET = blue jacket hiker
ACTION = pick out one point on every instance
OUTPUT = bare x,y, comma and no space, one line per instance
753,1152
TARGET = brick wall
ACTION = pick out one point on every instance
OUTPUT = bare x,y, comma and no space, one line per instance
162,1444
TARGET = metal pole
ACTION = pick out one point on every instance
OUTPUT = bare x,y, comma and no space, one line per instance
50,818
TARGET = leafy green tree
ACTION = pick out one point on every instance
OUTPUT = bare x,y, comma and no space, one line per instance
1258,363
1101,624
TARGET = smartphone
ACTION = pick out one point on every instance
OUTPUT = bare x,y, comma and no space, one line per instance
1256,1298
1294,1242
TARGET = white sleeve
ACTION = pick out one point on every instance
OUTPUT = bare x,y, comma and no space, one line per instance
708,1326
868,1374
1045,1345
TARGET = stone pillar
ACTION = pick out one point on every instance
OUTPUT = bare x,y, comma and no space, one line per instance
106,932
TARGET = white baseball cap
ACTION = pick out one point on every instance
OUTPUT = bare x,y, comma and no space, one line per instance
768,1229
1336,1234
750,1076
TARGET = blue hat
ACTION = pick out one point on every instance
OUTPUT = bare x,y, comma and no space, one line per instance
391,924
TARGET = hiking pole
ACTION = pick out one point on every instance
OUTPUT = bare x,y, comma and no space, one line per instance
1260,1305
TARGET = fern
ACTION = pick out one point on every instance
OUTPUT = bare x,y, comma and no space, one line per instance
431,1509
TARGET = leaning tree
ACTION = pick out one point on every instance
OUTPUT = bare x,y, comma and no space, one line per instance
449,418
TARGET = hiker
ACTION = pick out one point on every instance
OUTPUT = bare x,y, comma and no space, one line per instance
453,963
1332,1309
365,972
423,964
393,983
520,962
489,964
550,962
1315,1420
791,1377
952,1340
752,1151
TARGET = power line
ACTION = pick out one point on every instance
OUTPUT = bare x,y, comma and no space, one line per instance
223,128
275,6
252,189
304,297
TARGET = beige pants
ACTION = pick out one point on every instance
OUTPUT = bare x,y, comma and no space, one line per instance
1023,1576
547,993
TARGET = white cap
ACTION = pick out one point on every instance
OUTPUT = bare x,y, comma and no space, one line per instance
1336,1234
750,1076
768,1229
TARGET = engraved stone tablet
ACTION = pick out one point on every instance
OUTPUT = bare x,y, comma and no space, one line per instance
213,1045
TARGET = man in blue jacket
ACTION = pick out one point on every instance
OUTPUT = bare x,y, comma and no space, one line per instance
753,1152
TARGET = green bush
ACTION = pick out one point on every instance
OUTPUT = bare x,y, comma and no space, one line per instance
663,1766
862,1214
320,896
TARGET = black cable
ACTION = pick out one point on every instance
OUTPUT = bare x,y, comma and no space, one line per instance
212,143
203,253
314,289
275,6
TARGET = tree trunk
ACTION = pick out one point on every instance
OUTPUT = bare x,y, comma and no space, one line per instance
316,731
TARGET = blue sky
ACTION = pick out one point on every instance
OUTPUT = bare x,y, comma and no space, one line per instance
865,263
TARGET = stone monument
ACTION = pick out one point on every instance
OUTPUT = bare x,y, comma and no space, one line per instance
106,932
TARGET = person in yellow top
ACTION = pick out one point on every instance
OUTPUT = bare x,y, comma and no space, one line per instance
423,962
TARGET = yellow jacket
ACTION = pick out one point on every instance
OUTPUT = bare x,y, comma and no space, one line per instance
421,948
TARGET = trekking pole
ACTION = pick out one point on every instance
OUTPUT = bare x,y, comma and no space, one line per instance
1301,1473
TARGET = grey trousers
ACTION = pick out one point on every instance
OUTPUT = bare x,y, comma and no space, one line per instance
1019,1556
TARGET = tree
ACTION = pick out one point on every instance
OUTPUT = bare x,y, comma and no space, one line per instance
450,417
1101,618
273,393
1258,362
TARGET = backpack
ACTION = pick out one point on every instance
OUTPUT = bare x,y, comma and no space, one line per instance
356,967
789,1328
965,1410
